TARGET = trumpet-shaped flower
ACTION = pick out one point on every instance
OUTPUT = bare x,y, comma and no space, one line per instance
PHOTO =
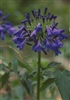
40,31
5,26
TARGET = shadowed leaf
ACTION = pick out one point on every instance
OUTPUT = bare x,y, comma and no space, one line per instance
24,65
62,79
47,83
4,79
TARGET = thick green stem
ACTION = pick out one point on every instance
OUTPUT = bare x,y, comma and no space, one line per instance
38,76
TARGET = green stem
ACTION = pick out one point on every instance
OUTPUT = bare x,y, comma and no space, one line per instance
38,76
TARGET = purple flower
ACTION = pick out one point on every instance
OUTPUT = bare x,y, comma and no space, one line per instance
33,33
53,17
1,33
21,44
34,30
5,26
55,33
54,45
36,14
1,14
54,24
57,52
49,31
24,21
45,10
21,29
38,47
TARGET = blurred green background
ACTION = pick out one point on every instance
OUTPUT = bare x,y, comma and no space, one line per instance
17,10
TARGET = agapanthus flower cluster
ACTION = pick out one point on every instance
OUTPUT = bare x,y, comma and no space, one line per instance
5,26
40,31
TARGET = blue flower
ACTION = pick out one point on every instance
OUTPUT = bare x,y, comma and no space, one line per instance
1,33
20,31
36,30
21,44
40,31
1,14
5,26
38,47
49,31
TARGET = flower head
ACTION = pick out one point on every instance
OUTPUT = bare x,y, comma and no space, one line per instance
5,26
40,31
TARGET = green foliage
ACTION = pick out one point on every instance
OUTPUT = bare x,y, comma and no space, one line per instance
4,79
53,65
3,62
14,63
62,80
47,73
18,92
47,83
28,85
28,79
24,65
66,52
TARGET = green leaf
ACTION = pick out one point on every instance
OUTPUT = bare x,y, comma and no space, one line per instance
53,65
2,58
32,75
14,63
15,82
62,80
26,82
28,85
24,65
4,97
47,83
34,64
1,66
53,89
4,79
5,63
44,63
17,92
48,73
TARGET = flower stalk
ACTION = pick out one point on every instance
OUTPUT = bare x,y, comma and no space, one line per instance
38,75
